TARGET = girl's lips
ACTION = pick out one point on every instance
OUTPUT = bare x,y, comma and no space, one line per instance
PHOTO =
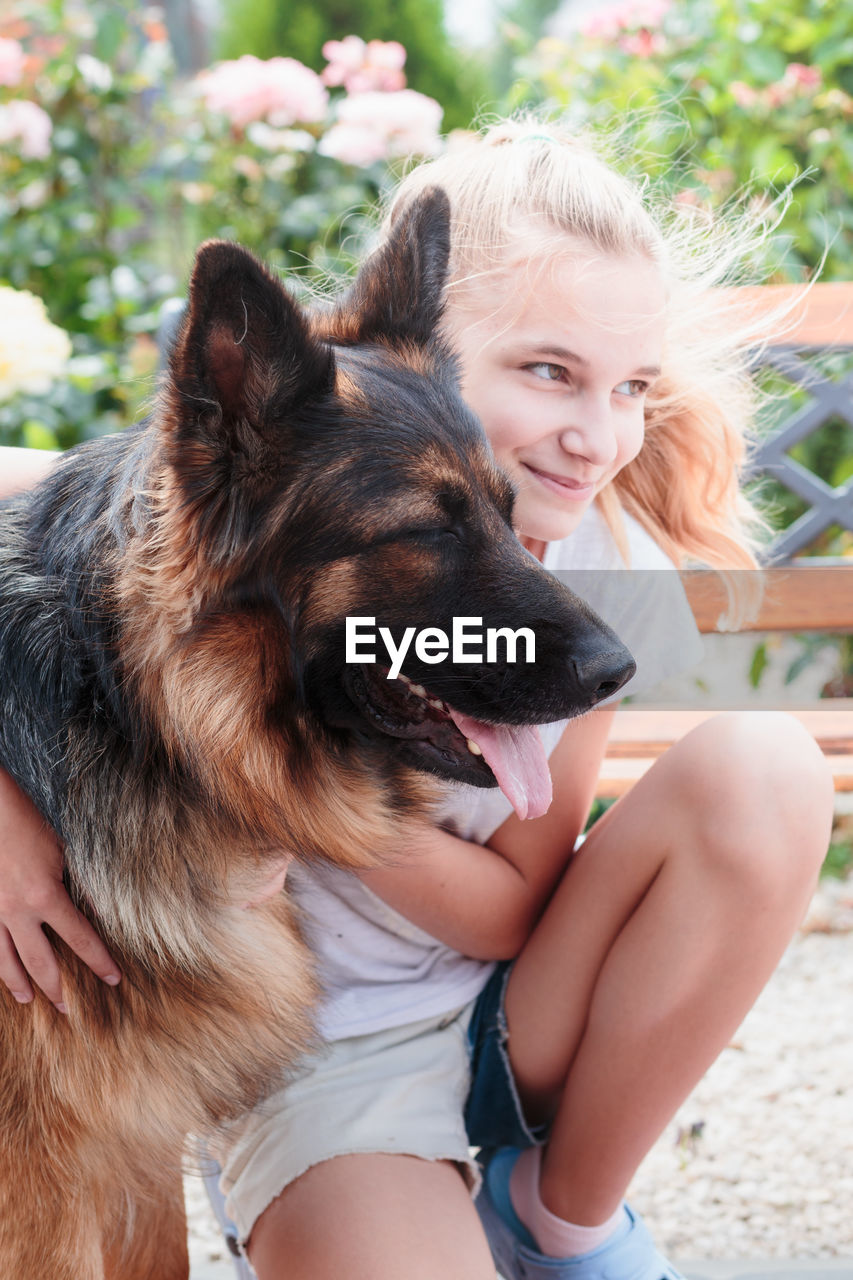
574,490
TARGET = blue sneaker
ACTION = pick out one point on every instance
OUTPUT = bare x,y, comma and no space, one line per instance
629,1254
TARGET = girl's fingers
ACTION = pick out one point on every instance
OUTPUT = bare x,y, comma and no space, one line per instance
12,972
27,955
35,954
76,931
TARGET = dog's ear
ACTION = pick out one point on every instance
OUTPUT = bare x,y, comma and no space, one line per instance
398,294
244,354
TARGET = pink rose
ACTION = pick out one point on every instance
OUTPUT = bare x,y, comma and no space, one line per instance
643,43
743,94
365,68
25,122
386,54
630,16
381,126
779,94
281,91
601,26
11,62
384,65
345,58
355,145
803,76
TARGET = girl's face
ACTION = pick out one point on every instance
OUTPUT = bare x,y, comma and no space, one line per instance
559,375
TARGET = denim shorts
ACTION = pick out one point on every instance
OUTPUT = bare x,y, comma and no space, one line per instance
493,1111
434,1089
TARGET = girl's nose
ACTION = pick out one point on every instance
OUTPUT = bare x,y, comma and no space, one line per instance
592,439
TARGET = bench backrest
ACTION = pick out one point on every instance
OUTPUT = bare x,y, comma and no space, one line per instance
820,321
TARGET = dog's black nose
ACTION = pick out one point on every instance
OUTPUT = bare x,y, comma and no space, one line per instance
600,675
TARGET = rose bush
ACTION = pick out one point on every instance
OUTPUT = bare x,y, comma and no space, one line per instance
112,170
721,98
281,91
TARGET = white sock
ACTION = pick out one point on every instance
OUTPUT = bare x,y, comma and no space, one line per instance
554,1236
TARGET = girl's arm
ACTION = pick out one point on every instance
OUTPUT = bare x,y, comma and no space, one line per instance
31,895
22,468
484,900
31,890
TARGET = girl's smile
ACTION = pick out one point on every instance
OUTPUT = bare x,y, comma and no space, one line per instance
558,374
564,486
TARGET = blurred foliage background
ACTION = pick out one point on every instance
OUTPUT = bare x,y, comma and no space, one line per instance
723,97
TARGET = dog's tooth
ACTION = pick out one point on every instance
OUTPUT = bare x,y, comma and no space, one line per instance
417,689
436,703
473,748
402,676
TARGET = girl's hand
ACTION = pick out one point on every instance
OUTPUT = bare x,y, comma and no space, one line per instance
31,895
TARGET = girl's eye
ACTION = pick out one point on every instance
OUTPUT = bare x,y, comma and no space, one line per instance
633,387
547,372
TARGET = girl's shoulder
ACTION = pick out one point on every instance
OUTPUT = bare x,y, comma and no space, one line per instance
647,608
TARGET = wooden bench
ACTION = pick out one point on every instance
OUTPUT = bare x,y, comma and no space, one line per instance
803,596
797,599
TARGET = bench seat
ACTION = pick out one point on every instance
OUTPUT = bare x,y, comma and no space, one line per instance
802,597
641,733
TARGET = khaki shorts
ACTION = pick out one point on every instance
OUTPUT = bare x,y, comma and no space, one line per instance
399,1091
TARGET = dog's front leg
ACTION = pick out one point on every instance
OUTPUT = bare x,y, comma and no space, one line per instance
147,1236
43,1235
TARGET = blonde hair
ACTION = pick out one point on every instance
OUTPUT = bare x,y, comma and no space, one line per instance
516,190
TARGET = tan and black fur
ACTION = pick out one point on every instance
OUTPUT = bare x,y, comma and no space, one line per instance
173,696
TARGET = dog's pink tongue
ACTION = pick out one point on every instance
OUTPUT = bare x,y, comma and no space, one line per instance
516,757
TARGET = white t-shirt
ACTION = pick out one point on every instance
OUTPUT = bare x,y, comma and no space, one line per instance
378,969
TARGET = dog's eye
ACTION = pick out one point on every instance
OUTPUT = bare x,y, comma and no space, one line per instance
434,536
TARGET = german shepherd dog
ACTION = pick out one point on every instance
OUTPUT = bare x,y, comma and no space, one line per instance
176,701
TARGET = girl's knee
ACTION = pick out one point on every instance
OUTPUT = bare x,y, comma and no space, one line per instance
759,792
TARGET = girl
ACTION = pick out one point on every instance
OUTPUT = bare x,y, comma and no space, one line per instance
614,401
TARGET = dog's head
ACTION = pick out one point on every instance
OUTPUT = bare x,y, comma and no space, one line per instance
326,469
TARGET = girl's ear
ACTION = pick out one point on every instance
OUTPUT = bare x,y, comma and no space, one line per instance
245,350
398,295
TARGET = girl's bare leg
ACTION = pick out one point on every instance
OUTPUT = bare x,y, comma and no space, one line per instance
373,1217
664,929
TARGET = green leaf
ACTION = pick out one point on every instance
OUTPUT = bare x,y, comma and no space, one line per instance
760,659
111,29
842,471
764,64
799,665
839,859
37,436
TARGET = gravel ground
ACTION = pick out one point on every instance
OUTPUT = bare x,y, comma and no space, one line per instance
758,1164
770,1174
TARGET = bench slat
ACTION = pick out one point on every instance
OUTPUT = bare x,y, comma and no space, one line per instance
796,598
647,731
619,775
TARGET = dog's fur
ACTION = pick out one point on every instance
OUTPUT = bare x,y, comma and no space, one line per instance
175,700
